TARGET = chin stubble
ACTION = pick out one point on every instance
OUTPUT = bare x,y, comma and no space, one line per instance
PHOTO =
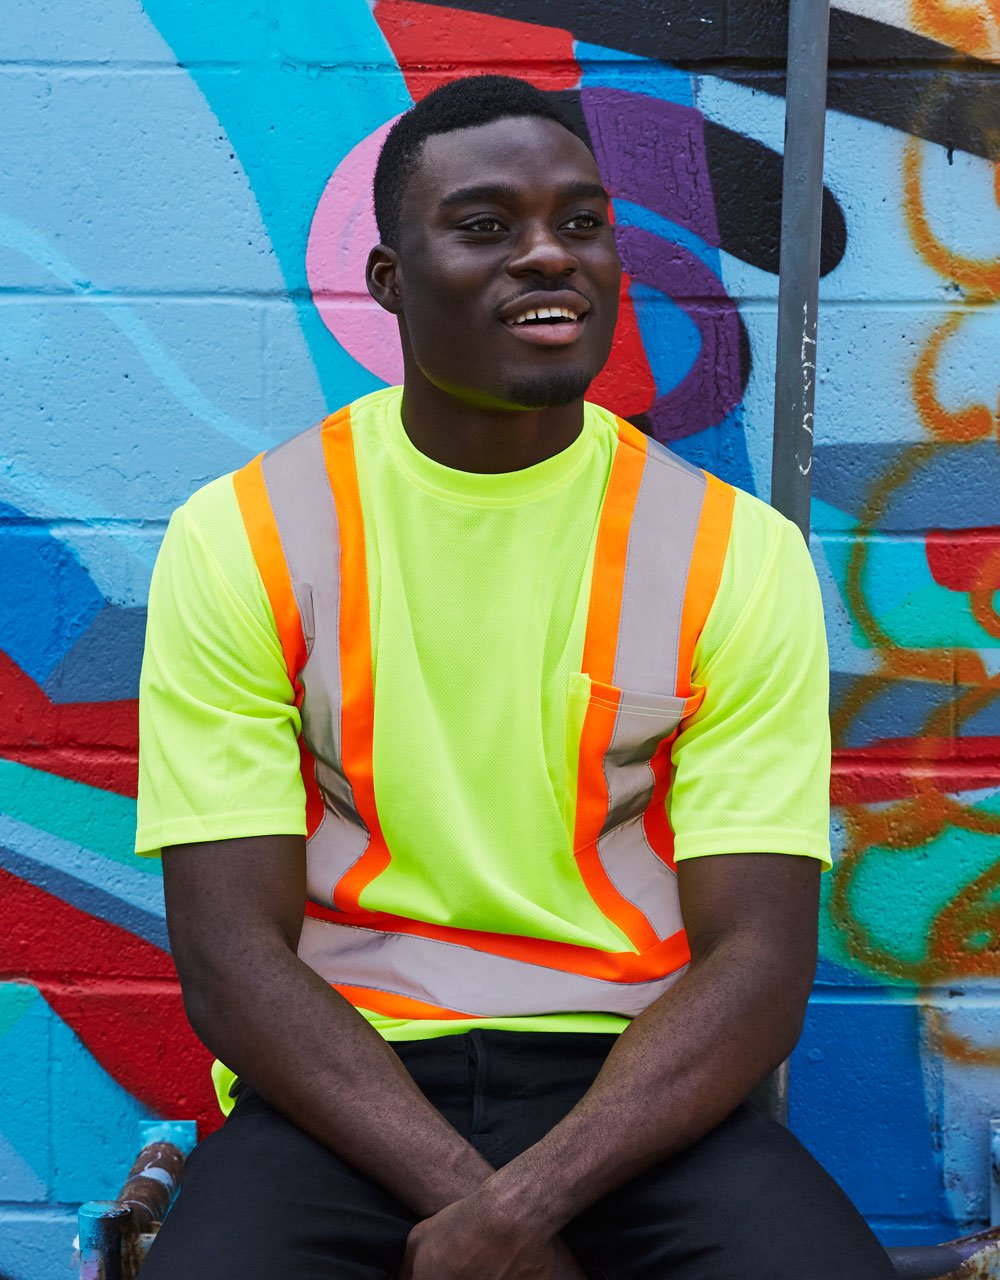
547,390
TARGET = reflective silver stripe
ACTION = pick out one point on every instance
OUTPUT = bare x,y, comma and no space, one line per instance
462,978
306,516
660,544
642,877
661,541
642,722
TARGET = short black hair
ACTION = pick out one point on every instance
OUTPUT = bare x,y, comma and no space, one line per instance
460,104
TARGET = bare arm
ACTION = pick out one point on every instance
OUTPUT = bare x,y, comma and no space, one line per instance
234,911
681,1066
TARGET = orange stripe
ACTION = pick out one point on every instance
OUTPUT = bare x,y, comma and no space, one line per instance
608,577
357,683
666,956
655,823
591,812
625,914
705,572
631,434
600,646
265,543
393,1006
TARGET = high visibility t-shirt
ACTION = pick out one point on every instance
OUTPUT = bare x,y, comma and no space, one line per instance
479,587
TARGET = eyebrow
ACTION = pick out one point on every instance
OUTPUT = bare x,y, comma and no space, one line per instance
504,193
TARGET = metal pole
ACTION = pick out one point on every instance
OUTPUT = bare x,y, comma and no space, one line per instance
798,281
798,300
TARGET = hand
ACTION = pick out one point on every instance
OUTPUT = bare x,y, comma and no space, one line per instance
468,1241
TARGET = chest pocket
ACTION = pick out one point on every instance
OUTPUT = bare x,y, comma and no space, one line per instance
615,734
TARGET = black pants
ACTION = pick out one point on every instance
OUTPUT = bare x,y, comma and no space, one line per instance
262,1201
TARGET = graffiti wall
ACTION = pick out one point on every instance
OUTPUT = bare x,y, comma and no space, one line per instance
184,217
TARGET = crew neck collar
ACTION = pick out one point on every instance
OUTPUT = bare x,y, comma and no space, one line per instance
502,488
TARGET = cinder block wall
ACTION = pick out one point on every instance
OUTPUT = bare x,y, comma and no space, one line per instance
183,222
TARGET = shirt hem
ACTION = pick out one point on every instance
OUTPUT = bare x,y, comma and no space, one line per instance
149,841
793,843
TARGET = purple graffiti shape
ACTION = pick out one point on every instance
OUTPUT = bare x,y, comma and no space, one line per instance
652,153
714,383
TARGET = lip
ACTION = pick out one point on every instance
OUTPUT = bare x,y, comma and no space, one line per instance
549,335
562,334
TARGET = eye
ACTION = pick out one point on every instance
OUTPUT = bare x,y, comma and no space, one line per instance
485,223
583,222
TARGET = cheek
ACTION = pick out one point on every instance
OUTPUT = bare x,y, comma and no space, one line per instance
444,274
445,310
610,273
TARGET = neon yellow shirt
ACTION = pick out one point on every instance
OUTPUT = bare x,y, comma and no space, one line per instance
479,586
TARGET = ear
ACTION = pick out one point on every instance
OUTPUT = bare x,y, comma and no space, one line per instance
382,276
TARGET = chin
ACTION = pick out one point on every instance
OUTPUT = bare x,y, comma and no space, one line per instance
547,389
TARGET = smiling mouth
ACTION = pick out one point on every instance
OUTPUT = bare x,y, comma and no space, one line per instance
547,326
545,315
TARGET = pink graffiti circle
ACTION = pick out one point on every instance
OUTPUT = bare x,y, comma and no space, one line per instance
342,233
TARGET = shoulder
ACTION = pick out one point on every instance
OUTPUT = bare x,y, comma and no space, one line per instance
758,533
209,503
762,540
210,519
213,516
206,550
619,433
767,576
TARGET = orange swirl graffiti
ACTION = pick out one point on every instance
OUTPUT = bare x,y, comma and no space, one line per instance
964,938
975,422
979,276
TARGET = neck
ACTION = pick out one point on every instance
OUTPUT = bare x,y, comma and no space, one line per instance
470,437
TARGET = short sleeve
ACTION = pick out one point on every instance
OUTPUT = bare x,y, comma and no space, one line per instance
752,765
218,728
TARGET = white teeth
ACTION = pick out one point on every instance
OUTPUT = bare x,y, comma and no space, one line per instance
545,313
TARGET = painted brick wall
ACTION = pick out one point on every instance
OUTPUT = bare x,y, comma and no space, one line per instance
183,221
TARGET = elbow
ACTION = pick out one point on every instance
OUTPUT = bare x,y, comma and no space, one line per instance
202,994
224,985
787,1036
786,1010
211,983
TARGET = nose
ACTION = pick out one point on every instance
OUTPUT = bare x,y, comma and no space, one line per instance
541,252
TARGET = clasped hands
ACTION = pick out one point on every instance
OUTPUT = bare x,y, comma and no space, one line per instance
474,1239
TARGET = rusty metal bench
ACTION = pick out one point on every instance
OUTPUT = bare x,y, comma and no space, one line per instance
116,1234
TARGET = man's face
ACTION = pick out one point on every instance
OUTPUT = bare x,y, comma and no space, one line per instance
498,222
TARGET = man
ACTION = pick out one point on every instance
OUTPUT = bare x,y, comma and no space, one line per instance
550,707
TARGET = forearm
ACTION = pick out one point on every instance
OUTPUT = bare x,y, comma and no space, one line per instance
305,1049
296,1040
675,1072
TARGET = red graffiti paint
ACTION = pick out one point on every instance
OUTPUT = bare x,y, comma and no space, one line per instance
901,767
91,742
625,384
119,994
965,559
429,41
